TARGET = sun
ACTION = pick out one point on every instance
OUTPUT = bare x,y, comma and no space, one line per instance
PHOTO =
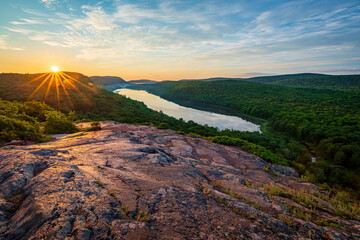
55,68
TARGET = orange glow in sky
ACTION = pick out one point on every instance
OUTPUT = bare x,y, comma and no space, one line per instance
171,40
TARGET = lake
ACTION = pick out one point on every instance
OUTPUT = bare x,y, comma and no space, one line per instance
172,109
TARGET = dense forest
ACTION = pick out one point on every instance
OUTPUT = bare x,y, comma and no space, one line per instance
31,121
311,80
326,121
302,80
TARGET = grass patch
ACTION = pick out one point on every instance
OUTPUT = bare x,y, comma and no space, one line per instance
204,189
95,126
100,184
112,193
125,212
142,216
300,196
230,192
221,200
286,219
45,138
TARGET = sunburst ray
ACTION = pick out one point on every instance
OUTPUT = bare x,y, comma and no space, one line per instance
57,90
77,81
66,92
40,85
49,86
69,82
37,78
61,83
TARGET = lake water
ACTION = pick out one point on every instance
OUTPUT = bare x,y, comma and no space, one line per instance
220,121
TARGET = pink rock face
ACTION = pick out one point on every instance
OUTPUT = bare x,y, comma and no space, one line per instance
139,182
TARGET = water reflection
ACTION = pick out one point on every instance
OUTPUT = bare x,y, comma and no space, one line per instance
202,117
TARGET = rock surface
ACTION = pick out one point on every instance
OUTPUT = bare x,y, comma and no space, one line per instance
139,182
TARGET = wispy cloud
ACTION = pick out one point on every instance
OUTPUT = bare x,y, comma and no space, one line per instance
7,46
97,18
226,34
49,3
25,21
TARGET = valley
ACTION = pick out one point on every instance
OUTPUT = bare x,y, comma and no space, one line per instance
293,117
211,119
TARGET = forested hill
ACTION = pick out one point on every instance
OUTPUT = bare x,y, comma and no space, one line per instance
108,82
81,95
301,80
311,80
327,119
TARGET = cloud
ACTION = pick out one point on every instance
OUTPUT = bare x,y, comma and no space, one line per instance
318,41
49,3
34,12
5,45
355,70
130,13
20,30
227,34
25,21
250,75
98,18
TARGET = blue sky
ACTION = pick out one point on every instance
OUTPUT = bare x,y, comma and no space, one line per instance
180,39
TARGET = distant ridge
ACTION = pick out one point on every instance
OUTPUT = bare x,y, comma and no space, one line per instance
209,79
312,80
143,81
108,82
300,80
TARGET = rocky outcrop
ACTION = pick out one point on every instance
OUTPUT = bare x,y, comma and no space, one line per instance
139,182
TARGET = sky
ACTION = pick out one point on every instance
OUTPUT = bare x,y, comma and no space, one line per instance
170,40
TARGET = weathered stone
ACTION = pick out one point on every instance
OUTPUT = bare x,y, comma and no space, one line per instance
148,150
129,182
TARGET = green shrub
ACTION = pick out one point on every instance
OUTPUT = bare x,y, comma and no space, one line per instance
250,147
11,129
36,110
95,126
163,126
57,122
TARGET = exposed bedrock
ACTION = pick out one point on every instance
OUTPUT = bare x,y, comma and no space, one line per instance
139,182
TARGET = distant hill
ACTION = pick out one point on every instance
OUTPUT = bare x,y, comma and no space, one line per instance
147,81
301,80
45,87
109,82
142,81
311,80
209,79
